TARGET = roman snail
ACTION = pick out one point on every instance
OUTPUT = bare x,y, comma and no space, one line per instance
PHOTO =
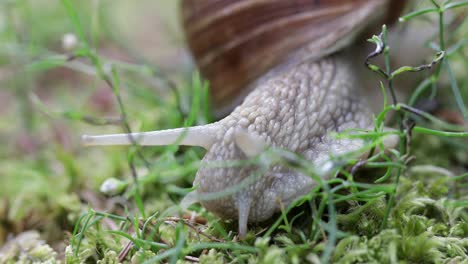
283,59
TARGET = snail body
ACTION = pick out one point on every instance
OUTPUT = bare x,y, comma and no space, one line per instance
291,111
301,91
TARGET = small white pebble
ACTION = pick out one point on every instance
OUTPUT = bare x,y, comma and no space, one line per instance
69,41
112,186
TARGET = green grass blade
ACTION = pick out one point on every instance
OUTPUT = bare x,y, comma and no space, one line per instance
418,13
439,133
456,91
76,22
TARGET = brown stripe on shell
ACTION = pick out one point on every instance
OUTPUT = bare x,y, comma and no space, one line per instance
239,18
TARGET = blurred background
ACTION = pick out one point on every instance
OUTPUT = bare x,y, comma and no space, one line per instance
46,175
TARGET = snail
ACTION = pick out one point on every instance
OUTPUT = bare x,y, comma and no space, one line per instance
284,61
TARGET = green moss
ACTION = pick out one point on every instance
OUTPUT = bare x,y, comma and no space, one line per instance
26,248
110,257
363,220
213,256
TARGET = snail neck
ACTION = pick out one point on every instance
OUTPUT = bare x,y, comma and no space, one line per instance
346,56
295,106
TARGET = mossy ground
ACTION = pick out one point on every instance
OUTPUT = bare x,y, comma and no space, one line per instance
51,209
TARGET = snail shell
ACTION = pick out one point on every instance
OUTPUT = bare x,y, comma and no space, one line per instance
236,42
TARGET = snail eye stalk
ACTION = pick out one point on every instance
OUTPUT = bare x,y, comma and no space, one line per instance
200,136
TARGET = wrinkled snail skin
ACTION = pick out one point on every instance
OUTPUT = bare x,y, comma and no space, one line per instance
295,110
294,101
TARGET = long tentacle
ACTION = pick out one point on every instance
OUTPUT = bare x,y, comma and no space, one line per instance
202,136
